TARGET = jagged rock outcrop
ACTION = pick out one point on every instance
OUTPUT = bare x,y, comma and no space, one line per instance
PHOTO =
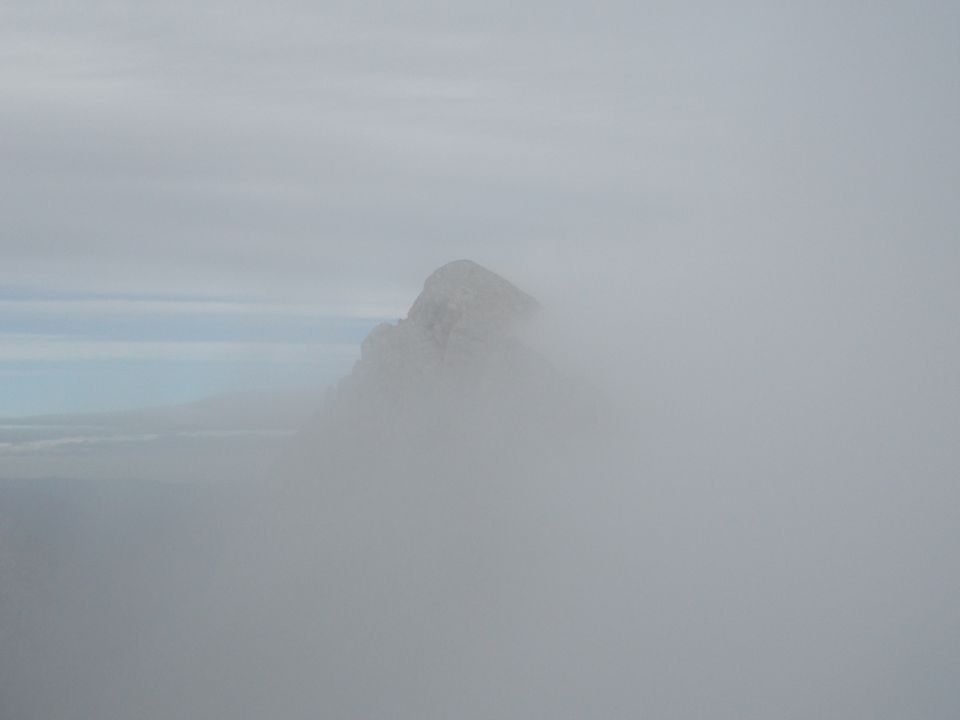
459,348
464,320
454,384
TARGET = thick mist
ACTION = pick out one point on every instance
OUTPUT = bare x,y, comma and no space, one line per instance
794,472
645,497
683,445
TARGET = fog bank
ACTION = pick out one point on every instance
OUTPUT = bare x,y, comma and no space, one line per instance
619,499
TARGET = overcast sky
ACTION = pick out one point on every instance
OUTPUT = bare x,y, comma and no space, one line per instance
198,196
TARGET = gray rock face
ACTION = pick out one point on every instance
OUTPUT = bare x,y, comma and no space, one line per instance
459,336
464,307
454,385
463,312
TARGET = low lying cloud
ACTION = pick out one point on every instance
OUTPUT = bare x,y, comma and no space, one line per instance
60,348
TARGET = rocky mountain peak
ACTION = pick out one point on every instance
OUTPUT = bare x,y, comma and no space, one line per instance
460,336
465,296
460,373
463,313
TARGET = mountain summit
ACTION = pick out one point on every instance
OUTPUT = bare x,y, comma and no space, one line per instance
458,354
463,302
464,315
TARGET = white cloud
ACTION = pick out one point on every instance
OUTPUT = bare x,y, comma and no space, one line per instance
24,347
121,306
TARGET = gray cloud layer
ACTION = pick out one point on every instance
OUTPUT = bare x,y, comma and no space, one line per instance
336,150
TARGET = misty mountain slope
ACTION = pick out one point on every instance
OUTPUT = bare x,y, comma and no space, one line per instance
467,532
440,505
388,568
455,373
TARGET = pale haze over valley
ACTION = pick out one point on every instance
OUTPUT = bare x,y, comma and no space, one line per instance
498,360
